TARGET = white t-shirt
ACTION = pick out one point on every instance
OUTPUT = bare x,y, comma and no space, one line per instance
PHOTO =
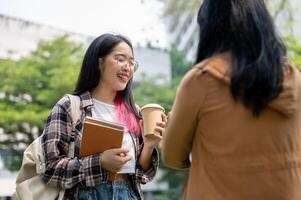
107,112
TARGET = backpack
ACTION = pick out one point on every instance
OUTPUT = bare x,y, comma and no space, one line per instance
29,184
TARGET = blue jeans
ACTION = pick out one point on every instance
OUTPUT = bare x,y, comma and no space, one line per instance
117,190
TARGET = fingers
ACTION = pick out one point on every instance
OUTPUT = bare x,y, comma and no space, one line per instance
164,117
122,154
120,151
113,159
154,137
126,158
161,124
159,130
160,127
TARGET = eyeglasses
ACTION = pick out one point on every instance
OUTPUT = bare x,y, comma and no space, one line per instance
122,61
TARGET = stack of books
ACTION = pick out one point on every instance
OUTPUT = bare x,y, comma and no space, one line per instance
99,135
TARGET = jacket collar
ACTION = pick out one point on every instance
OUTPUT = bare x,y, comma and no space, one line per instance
288,101
86,99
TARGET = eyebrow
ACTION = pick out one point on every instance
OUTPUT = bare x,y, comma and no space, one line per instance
121,54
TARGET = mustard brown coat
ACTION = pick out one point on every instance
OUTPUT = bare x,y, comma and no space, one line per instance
235,156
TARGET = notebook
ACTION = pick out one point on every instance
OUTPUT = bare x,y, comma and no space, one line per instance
100,135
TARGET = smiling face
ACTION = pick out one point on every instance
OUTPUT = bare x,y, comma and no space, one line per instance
117,68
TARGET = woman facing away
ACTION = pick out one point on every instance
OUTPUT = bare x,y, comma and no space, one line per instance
105,90
238,110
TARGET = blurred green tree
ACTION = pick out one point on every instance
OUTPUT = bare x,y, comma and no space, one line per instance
294,50
29,87
146,92
175,8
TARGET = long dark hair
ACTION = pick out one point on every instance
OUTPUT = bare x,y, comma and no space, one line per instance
90,74
245,29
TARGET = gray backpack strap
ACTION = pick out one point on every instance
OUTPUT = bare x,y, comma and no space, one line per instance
75,109
75,116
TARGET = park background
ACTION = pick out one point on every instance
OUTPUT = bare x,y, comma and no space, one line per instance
42,45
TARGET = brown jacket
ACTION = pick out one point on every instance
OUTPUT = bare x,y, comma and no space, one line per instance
235,156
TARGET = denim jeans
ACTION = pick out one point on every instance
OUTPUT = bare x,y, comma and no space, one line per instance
117,190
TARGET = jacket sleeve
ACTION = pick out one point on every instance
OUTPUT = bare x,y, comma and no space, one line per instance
146,176
182,122
62,171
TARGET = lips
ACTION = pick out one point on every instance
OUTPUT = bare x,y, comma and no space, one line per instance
123,77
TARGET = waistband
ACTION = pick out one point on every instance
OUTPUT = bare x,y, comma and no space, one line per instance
117,177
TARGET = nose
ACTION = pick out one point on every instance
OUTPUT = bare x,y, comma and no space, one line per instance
127,66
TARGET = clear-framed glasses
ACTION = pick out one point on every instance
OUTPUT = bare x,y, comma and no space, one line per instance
122,61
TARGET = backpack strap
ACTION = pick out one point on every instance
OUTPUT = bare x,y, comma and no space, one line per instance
75,109
75,115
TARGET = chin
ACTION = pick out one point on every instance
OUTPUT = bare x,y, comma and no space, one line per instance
121,87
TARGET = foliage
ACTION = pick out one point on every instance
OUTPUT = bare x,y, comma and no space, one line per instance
179,64
294,50
29,87
147,92
176,7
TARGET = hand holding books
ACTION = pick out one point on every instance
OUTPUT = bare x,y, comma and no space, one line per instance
113,159
104,137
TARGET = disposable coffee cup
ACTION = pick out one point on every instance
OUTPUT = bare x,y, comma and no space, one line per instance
151,114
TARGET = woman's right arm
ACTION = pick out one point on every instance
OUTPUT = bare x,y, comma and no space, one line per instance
62,171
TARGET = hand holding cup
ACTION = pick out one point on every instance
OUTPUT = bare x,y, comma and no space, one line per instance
151,114
154,120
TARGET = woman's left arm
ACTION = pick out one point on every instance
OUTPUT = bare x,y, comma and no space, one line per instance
150,142
148,160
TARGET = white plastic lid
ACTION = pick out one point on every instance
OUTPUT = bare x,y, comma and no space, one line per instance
153,105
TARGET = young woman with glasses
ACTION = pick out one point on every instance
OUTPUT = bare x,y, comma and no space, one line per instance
105,90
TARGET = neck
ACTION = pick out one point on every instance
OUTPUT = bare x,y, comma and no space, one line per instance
104,94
